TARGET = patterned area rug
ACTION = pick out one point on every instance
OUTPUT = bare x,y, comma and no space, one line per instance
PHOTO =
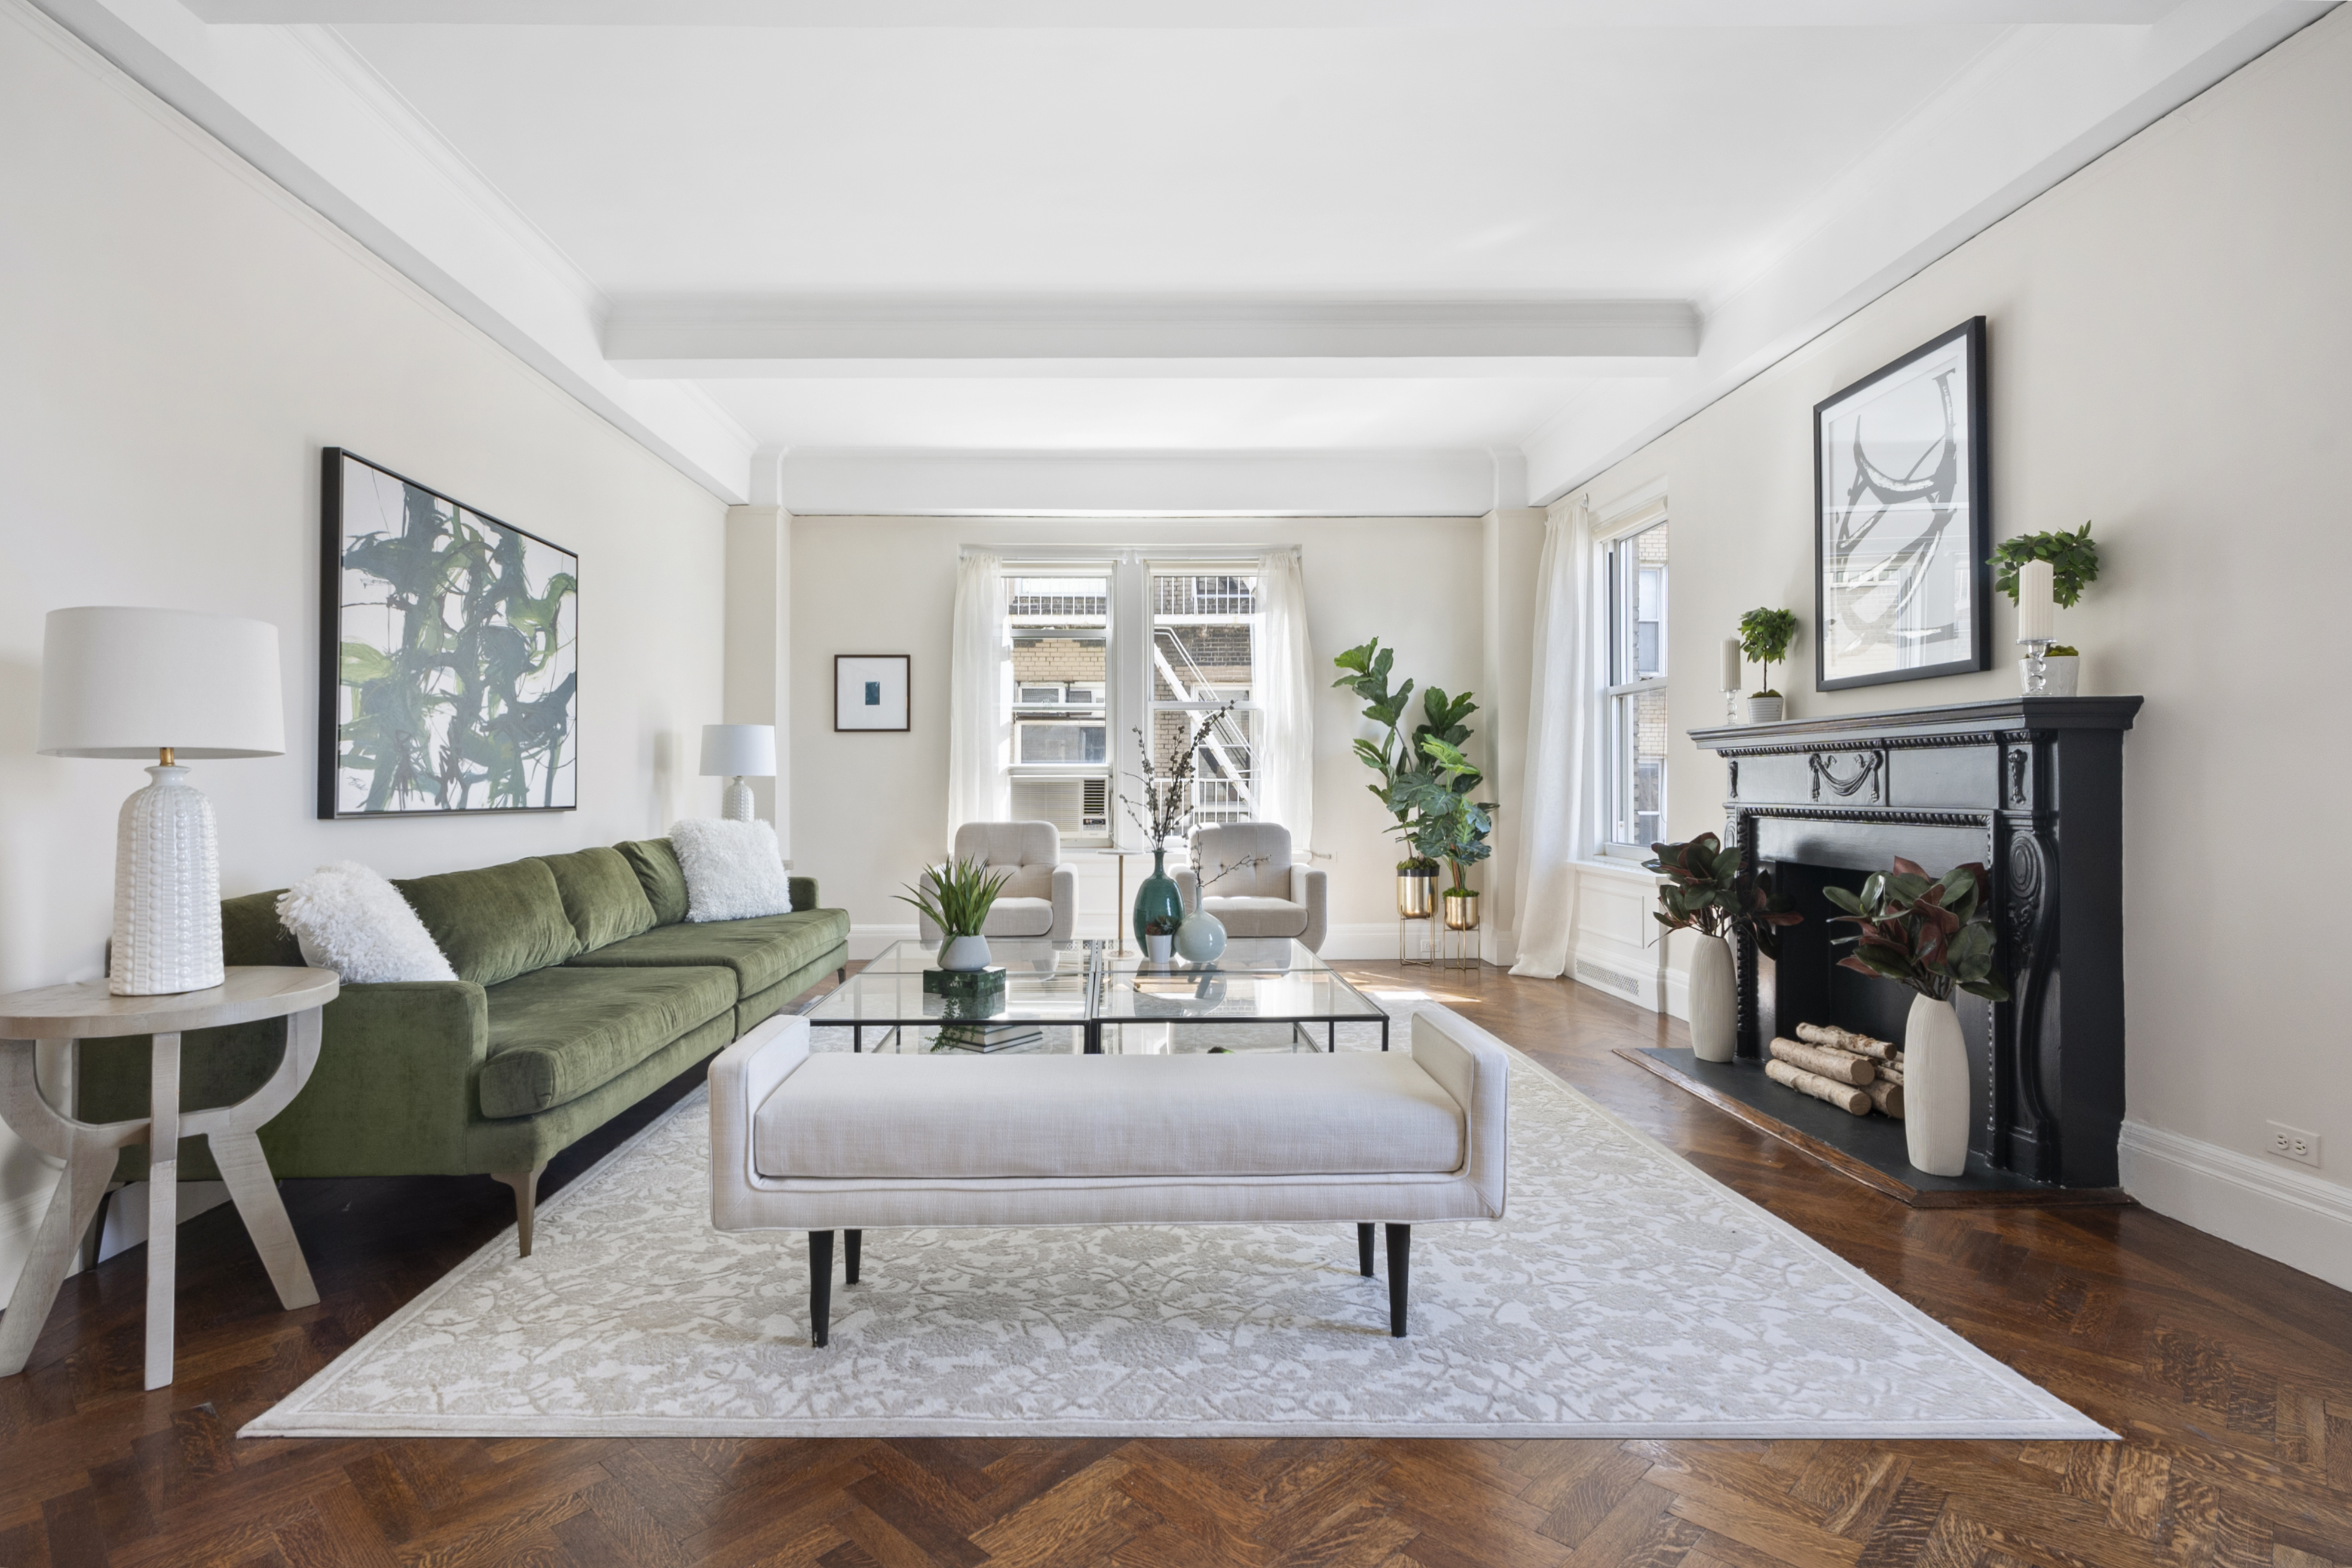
1626,1295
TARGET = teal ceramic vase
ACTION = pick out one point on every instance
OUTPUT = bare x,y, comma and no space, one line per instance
1157,899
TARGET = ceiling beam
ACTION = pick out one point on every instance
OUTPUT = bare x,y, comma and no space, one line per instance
833,336
1197,14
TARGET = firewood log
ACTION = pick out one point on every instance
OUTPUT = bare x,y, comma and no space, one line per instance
1844,1096
1887,1096
1826,1063
1891,1071
1830,1035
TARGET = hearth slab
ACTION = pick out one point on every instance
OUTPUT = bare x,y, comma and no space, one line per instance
1869,1148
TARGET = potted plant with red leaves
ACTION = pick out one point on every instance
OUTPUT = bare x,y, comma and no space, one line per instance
1935,936
1702,893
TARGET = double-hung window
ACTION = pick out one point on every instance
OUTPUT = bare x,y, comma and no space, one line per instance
1633,741
1059,626
1204,633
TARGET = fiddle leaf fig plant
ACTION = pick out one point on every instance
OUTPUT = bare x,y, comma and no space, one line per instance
1701,892
1764,636
1412,782
1934,934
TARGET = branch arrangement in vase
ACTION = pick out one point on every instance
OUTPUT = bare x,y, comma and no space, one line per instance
1165,813
1702,892
1933,935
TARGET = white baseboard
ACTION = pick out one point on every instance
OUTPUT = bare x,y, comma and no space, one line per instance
2262,1205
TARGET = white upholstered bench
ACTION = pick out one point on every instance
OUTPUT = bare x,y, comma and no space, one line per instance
836,1142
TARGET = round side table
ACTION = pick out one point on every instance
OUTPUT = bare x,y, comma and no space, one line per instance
86,1011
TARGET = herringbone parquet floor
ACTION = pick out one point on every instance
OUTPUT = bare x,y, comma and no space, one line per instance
2230,1376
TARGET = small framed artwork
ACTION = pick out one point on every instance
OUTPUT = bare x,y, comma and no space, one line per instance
449,654
1903,523
869,690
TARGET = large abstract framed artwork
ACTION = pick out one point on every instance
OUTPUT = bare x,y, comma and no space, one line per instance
450,647
1902,523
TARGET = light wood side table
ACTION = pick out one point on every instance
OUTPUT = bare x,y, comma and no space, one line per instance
86,1012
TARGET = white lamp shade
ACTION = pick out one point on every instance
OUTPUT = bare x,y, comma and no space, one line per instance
749,750
123,682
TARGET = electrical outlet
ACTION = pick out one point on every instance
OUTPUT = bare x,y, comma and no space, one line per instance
2294,1144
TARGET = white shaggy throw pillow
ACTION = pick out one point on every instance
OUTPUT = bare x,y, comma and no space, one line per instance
345,917
734,870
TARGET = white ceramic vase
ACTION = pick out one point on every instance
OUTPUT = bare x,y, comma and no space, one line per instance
1934,1089
2062,675
965,953
167,930
1156,945
1713,1001
1200,939
1767,710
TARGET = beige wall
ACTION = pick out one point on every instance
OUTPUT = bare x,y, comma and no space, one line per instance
2170,355
181,338
868,809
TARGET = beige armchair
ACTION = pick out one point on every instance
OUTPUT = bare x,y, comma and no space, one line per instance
1040,896
1242,874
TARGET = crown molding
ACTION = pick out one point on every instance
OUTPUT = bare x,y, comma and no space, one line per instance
300,107
815,335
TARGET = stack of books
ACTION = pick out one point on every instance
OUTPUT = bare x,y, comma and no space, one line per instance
987,1036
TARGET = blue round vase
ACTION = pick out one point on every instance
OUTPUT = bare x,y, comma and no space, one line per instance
1200,939
1157,899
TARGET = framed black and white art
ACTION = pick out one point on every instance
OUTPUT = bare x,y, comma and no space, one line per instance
869,690
449,654
1902,525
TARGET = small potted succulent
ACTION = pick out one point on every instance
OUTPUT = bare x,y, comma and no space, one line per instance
1701,892
1160,938
2073,566
1764,636
1935,936
956,898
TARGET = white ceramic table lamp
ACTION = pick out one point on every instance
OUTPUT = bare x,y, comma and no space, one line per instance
169,684
734,753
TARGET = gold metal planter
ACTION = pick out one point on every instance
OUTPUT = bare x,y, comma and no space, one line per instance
1460,911
1416,895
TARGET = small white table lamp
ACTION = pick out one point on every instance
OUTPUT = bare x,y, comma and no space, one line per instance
733,752
169,684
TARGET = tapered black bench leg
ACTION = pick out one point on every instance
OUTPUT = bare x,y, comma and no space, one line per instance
1400,1275
852,1237
821,1286
1364,1250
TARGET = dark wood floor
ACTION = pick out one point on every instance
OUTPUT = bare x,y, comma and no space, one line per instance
2230,1376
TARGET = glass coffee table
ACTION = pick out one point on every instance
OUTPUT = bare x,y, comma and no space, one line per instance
1057,994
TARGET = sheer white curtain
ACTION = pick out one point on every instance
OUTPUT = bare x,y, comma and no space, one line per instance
1283,687
1563,743
980,720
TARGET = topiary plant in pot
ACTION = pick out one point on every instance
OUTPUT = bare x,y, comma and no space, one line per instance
1764,636
2073,566
1701,892
1935,936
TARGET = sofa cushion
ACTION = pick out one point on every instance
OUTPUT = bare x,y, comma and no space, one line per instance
656,864
888,1117
1257,917
602,895
1019,917
761,951
497,922
251,931
556,1034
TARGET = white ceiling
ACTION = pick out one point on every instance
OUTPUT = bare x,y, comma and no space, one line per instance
1538,229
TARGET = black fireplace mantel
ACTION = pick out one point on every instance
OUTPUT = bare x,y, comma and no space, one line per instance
2031,787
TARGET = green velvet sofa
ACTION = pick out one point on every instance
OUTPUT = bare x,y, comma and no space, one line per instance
582,988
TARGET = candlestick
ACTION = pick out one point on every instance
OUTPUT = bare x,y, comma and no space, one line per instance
2037,610
1731,681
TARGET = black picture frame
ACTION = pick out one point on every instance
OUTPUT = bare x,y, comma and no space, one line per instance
1921,578
886,666
547,630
